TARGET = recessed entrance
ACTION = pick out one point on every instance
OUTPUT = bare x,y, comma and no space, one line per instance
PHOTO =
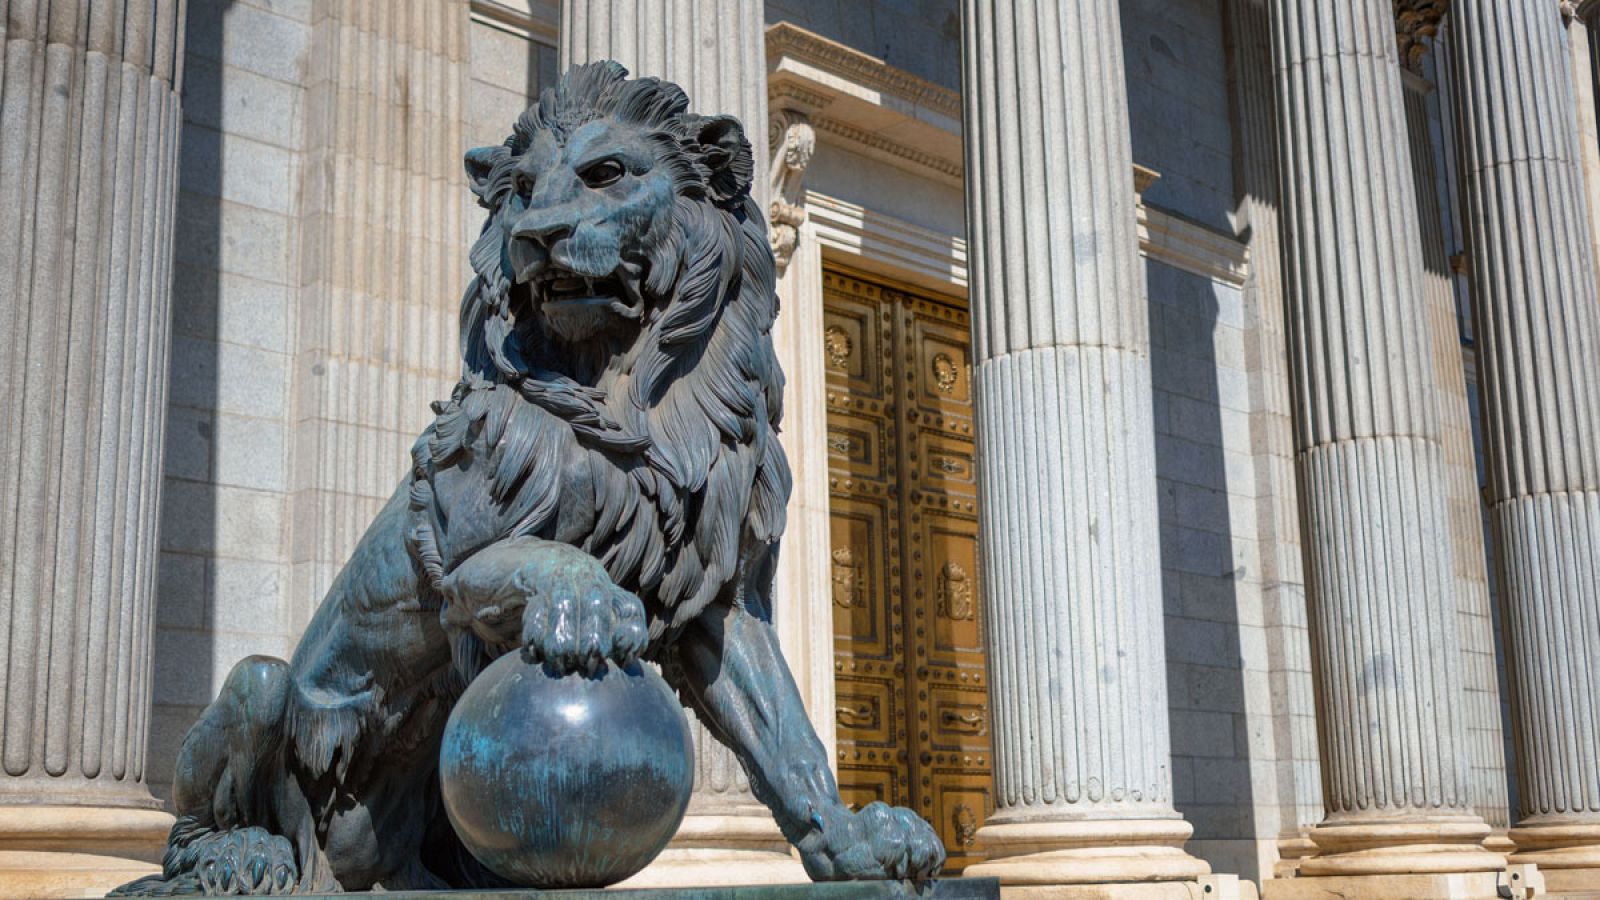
913,703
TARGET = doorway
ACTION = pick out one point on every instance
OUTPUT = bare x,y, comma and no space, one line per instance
913,704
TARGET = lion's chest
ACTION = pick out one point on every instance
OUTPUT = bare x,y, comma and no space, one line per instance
520,470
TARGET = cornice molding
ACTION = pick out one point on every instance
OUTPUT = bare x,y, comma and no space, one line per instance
789,95
853,135
533,21
939,260
785,39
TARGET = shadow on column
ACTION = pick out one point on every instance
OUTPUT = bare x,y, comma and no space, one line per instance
1203,571
183,664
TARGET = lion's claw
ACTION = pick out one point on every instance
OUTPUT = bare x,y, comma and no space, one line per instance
575,618
248,861
879,842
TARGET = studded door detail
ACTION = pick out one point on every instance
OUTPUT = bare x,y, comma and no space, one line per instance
913,707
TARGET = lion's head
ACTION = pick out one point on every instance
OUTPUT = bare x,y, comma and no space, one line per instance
609,204
624,291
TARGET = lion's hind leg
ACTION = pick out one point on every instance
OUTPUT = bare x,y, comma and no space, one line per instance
224,789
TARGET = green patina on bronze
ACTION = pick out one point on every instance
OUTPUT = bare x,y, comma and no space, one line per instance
605,483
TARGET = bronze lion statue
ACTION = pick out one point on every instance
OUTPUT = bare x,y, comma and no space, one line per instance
605,482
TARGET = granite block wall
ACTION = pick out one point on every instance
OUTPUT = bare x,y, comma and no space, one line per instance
221,589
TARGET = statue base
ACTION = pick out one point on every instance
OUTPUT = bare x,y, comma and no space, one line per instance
942,889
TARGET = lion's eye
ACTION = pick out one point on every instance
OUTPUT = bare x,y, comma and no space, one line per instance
522,183
603,173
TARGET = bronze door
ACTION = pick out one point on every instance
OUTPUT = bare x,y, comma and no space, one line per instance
913,706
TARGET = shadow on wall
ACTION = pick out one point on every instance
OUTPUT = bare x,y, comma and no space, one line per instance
182,682
1202,575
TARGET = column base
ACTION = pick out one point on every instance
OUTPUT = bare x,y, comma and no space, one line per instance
48,876
723,850
1292,851
1099,851
1400,886
1499,842
1571,882
1444,846
78,851
1568,855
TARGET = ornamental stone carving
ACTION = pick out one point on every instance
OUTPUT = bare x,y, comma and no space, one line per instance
794,141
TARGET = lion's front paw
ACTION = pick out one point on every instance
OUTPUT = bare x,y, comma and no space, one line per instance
247,861
879,842
575,617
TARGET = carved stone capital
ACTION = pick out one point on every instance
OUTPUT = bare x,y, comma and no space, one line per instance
793,143
1415,22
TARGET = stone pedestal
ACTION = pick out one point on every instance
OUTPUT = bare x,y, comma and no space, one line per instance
715,51
1380,582
1066,478
89,118
1537,326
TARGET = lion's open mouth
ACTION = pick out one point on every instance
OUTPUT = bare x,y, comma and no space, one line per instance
565,288
579,307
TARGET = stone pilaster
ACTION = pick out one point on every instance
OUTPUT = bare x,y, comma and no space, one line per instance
89,119
803,598
1537,323
715,51
383,263
1061,368
1255,114
1385,631
1463,501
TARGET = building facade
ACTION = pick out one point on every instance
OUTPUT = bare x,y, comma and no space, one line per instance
1192,405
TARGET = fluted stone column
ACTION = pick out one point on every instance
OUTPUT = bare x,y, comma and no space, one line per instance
1463,501
1382,592
1061,368
1538,330
89,118
380,293
715,50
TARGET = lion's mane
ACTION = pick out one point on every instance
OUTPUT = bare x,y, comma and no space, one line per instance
659,455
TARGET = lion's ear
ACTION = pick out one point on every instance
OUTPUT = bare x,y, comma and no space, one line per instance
480,171
726,155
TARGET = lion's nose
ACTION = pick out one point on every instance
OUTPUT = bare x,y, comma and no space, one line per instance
546,233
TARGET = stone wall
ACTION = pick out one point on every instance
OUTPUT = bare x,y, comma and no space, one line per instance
1221,703
227,581
1178,105
223,583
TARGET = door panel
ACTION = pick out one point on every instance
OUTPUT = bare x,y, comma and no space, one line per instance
913,710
